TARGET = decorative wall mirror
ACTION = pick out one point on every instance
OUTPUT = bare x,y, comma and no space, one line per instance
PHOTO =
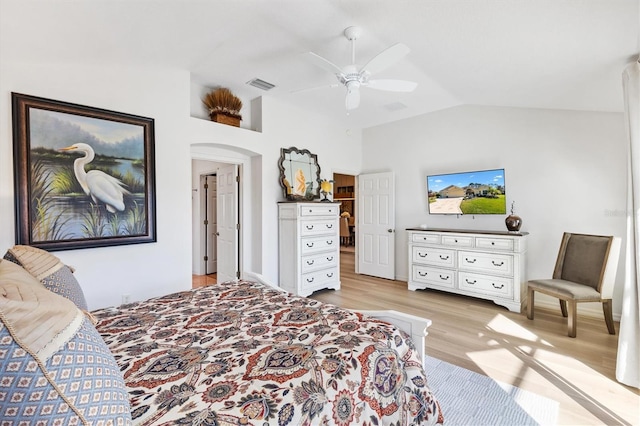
299,174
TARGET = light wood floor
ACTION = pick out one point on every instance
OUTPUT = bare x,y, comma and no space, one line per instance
478,335
534,355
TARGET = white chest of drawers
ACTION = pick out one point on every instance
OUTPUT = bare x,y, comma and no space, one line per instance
488,265
309,246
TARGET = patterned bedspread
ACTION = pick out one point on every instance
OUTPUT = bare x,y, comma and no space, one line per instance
239,353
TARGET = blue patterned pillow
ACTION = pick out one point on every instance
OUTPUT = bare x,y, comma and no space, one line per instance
50,271
54,366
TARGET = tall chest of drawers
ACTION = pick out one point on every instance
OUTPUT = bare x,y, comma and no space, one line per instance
488,265
309,246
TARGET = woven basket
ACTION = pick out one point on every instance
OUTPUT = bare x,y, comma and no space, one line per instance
223,118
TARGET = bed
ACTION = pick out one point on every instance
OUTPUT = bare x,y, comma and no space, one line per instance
247,353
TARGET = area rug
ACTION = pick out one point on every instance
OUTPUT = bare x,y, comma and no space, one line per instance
469,398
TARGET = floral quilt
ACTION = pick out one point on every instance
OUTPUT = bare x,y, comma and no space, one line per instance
239,353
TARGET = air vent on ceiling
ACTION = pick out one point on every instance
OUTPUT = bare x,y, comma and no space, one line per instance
261,84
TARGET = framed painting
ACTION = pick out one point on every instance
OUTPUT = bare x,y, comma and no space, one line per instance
84,177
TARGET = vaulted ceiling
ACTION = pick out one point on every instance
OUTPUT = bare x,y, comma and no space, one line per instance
564,54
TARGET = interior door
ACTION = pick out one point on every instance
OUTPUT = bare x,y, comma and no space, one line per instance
211,189
376,225
227,206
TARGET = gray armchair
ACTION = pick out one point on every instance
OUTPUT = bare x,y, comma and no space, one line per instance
585,271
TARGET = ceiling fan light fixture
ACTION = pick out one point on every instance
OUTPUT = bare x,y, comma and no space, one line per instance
352,100
353,78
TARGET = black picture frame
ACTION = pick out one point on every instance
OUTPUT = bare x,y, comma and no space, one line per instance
67,201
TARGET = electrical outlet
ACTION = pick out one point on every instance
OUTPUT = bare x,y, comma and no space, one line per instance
126,298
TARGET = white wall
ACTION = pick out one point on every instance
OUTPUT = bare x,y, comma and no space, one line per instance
146,270
565,170
283,126
141,270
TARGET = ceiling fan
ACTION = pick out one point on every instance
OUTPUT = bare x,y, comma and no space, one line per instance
353,78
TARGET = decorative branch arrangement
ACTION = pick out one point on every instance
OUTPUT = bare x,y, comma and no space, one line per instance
222,101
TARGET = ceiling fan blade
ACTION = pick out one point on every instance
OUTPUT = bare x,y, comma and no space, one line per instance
392,85
324,63
352,101
386,58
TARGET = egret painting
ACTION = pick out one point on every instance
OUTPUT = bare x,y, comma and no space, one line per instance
85,177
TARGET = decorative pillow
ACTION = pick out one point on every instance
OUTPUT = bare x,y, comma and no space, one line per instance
54,366
48,269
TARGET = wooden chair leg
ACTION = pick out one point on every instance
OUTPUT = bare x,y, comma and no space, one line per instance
573,316
607,308
563,307
530,298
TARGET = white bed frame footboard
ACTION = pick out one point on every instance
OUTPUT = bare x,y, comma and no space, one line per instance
414,326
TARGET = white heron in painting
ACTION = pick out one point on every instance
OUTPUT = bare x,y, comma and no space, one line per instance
99,185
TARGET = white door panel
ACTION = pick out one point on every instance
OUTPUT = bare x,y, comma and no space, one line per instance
376,225
212,224
227,206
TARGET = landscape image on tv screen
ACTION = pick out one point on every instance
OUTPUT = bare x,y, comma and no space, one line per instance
479,192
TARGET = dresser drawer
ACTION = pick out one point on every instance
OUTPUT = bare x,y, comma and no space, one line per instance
489,285
317,278
494,243
318,227
425,238
312,245
319,261
457,241
433,256
490,263
440,277
319,210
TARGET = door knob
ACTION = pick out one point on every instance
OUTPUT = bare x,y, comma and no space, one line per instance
389,230
217,234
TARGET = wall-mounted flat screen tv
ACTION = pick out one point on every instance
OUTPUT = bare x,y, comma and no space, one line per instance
479,192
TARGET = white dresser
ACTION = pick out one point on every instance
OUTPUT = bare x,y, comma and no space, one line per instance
484,264
309,246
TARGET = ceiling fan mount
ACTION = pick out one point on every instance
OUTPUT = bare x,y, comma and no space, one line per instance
352,33
353,78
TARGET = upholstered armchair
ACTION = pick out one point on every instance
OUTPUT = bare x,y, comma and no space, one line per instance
585,271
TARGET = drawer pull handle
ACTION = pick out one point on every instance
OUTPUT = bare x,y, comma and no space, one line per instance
455,241
422,255
470,282
330,258
309,227
497,264
493,243
309,245
498,287
330,275
423,274
329,242
470,260
310,280
310,262
329,225
444,257
445,278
